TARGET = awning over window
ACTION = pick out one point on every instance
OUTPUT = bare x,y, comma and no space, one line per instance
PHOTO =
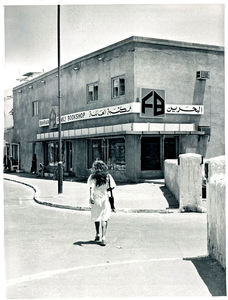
129,128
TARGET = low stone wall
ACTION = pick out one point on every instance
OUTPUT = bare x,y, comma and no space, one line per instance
216,216
183,177
171,177
190,182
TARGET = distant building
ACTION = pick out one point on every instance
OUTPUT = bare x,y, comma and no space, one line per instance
8,111
133,104
11,151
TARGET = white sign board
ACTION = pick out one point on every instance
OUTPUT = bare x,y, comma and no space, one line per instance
127,108
134,107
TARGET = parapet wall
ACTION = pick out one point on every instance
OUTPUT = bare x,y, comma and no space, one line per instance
171,177
216,215
183,177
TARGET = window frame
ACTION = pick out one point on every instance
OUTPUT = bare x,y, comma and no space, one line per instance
119,85
105,149
35,108
93,84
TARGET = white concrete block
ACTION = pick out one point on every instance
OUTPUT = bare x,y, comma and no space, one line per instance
156,127
190,182
85,131
92,130
108,129
100,129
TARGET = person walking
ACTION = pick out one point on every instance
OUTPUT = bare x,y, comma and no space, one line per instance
99,182
34,164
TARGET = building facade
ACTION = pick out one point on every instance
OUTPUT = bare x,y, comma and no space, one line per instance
132,104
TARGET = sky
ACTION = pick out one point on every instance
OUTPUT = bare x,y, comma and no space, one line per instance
30,31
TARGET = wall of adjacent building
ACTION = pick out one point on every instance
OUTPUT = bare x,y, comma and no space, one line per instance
216,209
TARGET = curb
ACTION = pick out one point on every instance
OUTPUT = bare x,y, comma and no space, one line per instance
83,208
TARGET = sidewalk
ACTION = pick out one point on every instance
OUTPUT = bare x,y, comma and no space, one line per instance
149,196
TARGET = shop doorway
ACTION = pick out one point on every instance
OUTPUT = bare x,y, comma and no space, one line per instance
11,157
68,156
171,147
150,153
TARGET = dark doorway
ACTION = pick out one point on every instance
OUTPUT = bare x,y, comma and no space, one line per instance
68,156
170,148
150,153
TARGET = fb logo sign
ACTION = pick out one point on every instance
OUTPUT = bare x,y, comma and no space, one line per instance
152,103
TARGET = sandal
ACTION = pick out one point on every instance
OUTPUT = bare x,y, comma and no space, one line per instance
103,243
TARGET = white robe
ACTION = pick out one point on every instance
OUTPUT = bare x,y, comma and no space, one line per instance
100,210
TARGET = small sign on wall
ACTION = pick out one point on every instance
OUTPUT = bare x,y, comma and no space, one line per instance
53,118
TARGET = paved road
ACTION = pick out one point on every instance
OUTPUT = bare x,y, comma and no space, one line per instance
50,253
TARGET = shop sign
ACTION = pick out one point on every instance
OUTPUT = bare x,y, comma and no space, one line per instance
95,113
152,103
184,109
134,107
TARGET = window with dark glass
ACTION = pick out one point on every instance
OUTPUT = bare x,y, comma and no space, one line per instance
96,150
116,153
111,151
118,86
92,92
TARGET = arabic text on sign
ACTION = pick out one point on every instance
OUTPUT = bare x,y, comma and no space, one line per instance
95,113
184,109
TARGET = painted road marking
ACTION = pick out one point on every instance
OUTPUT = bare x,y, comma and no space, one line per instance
47,274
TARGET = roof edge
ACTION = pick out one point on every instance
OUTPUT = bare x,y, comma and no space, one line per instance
139,39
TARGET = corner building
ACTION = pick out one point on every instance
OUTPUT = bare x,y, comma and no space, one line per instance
132,104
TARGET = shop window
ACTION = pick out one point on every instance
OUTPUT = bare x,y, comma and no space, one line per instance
92,92
35,108
111,151
116,154
96,150
118,86
51,154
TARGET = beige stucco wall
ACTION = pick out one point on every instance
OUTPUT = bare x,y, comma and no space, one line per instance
216,204
190,181
171,176
185,181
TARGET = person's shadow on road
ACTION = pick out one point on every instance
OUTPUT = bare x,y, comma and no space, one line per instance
82,243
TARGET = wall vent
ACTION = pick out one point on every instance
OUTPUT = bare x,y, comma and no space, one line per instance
202,75
205,129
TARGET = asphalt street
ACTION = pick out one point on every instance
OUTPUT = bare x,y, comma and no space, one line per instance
50,253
